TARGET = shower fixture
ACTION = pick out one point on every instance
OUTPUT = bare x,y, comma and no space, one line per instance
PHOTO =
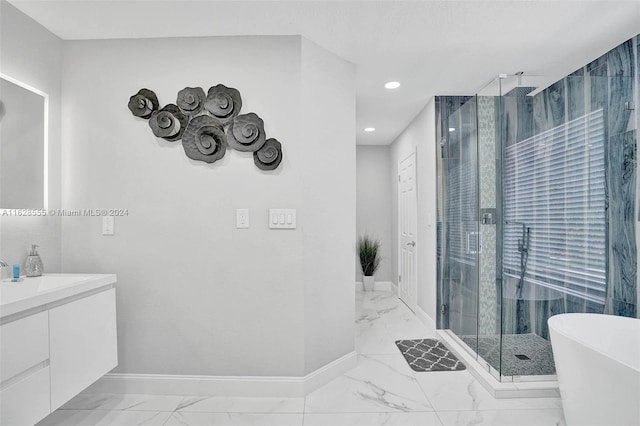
523,249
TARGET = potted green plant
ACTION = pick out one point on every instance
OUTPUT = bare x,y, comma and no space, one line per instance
369,260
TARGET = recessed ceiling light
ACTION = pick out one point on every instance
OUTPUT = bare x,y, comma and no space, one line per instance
369,129
392,85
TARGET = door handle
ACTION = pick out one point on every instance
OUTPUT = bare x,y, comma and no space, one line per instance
474,244
412,244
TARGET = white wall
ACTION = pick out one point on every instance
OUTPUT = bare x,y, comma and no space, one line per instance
373,199
419,136
195,294
33,55
328,203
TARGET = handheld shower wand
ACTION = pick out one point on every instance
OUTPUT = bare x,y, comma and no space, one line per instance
523,249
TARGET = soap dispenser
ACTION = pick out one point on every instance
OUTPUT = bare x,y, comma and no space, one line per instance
33,266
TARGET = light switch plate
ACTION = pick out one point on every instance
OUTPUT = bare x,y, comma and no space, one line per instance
282,218
108,225
242,218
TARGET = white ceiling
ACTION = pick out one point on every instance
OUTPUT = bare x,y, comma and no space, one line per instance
431,47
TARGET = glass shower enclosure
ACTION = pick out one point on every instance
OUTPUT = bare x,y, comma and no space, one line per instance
532,185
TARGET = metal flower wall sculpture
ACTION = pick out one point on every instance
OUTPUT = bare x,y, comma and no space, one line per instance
207,124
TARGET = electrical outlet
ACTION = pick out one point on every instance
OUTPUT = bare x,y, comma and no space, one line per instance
108,225
242,218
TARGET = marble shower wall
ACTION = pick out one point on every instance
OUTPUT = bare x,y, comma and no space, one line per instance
607,83
637,109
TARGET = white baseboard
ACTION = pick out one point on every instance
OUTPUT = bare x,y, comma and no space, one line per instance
247,386
394,287
377,286
327,373
425,319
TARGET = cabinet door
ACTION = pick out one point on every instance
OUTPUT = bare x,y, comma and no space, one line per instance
82,345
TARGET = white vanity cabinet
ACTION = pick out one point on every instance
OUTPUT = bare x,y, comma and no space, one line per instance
54,344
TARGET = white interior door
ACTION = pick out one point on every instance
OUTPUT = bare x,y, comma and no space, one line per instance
408,224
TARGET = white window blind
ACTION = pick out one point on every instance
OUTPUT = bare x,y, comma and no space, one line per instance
554,183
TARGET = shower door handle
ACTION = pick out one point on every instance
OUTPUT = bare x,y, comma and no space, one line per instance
473,242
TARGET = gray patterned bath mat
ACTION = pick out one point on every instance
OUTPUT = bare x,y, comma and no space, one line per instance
429,355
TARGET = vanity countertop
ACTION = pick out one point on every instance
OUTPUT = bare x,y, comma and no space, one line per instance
33,292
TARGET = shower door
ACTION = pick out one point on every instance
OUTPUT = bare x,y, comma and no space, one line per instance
458,209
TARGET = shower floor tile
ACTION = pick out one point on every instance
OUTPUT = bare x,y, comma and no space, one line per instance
522,354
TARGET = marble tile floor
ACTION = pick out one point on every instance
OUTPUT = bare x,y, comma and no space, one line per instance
381,390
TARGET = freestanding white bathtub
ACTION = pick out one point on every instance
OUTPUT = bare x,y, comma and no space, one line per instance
598,365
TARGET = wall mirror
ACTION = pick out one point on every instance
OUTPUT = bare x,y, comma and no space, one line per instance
23,145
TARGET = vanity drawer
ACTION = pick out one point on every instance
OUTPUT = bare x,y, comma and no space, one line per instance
27,401
23,344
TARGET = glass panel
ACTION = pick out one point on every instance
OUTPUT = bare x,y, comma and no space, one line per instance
527,175
460,235
565,179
